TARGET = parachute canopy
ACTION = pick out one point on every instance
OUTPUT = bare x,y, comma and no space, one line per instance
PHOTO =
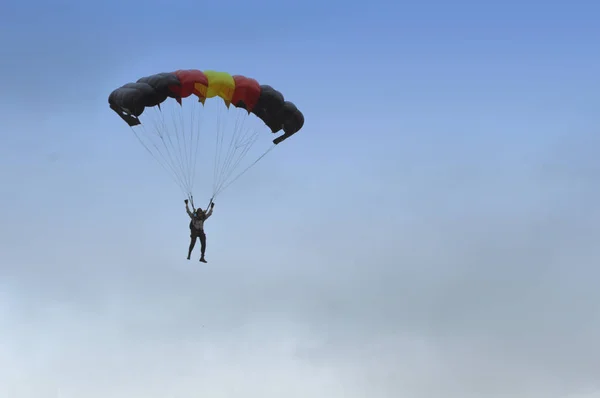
130,100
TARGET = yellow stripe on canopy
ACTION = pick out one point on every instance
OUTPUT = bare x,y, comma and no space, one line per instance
220,84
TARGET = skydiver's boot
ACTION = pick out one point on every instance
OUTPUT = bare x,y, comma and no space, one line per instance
202,259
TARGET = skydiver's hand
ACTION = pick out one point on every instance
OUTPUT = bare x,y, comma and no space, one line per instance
212,205
186,201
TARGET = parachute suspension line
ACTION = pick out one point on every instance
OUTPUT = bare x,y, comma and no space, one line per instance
184,148
197,134
160,125
194,131
222,166
240,143
220,139
177,163
180,129
245,144
177,148
230,152
194,139
162,163
167,160
244,171
180,136
174,142
162,129
218,145
159,151
180,153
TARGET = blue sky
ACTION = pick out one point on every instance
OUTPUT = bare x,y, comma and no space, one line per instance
435,220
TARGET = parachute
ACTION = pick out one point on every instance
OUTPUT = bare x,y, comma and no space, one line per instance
173,131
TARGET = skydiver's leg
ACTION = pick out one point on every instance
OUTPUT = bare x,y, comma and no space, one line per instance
202,245
192,244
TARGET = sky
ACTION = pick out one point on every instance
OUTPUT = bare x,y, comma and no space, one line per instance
431,232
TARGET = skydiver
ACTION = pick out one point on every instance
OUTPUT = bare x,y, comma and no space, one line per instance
198,217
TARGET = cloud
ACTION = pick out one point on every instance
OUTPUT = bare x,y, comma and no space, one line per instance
453,305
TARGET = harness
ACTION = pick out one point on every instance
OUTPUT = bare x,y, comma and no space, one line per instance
192,222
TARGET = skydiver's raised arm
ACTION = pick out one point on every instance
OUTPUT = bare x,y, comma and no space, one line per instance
210,211
187,209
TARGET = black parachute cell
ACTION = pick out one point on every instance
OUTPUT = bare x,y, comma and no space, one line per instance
161,82
131,97
269,106
277,113
130,100
292,118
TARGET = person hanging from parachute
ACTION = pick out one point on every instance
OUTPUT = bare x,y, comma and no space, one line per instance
198,216
166,111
